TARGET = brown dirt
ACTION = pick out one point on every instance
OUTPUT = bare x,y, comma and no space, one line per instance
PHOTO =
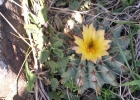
13,51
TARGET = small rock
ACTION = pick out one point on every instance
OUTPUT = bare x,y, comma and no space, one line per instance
1,2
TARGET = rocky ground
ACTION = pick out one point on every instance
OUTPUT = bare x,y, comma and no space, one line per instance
12,51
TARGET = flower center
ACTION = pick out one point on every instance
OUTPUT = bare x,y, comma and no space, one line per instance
90,47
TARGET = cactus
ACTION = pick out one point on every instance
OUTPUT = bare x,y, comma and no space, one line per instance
87,74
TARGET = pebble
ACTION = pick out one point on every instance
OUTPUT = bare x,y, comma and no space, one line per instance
1,2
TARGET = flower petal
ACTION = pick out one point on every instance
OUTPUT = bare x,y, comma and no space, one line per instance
88,33
83,57
100,33
79,41
103,53
107,47
80,50
85,33
93,56
92,31
94,60
99,41
106,42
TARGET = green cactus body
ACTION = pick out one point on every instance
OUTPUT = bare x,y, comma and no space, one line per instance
119,57
115,65
82,77
87,74
107,74
71,71
95,80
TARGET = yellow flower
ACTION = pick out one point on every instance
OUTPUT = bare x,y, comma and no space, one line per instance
93,45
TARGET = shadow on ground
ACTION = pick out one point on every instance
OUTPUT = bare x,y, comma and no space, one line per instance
13,51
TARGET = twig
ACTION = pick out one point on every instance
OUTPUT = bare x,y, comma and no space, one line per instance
14,29
128,8
67,11
33,49
34,52
52,2
36,90
68,94
114,5
16,4
120,85
42,88
35,64
42,93
18,36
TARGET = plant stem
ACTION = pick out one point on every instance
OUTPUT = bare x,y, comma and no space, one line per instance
132,50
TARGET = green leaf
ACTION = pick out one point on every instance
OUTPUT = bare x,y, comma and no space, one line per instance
102,3
32,28
54,96
131,2
51,30
58,23
33,18
53,66
134,88
71,85
135,31
58,43
42,15
113,96
77,30
135,82
71,97
119,9
58,52
30,77
74,5
54,83
39,39
99,98
125,2
138,63
60,3
63,62
122,22
38,35
44,56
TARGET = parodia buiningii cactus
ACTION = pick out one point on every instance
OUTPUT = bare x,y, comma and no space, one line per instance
87,74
